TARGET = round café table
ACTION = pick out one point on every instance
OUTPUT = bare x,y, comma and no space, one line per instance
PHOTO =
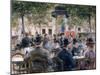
80,61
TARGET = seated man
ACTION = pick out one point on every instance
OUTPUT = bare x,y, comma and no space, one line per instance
39,60
68,61
26,41
38,39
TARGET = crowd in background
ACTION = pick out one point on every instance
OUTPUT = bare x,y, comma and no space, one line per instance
62,49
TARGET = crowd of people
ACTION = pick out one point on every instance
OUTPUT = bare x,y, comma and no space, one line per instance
59,51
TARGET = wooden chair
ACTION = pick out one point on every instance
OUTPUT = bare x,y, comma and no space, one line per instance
18,64
90,63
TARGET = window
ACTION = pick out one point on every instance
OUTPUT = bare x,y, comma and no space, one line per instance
50,31
79,29
43,31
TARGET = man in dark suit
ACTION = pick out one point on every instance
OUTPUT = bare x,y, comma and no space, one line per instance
67,58
26,41
63,40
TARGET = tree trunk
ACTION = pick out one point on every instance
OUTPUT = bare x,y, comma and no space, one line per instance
56,29
95,24
23,27
35,28
90,22
40,28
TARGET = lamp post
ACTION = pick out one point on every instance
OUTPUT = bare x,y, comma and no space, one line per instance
60,10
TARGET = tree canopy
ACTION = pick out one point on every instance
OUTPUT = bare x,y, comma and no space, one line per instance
40,12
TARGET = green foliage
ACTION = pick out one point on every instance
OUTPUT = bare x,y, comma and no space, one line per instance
79,13
38,10
40,13
21,7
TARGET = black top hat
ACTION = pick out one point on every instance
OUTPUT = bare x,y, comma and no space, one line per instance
89,41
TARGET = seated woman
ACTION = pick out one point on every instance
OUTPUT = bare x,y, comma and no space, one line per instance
90,54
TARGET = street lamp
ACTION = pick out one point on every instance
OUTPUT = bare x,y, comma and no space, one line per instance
60,10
